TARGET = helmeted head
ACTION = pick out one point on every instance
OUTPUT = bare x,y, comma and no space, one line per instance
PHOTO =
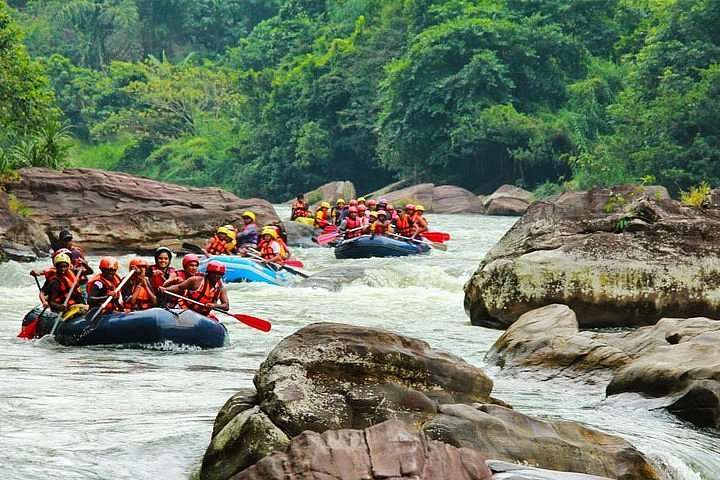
225,234
362,200
373,214
324,205
65,236
269,233
62,262
139,264
352,212
190,263
109,266
382,204
389,208
163,257
340,202
419,208
372,204
382,215
215,270
248,217
353,203
362,209
410,208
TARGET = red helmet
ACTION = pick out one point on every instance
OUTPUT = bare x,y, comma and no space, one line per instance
352,210
353,203
109,263
362,208
371,203
389,207
409,206
215,267
190,258
138,262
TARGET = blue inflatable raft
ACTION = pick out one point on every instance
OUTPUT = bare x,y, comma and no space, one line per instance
368,246
243,269
146,327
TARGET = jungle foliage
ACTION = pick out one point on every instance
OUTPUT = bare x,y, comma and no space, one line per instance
273,97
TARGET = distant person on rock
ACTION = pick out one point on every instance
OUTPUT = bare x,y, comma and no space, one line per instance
138,291
222,243
105,284
300,208
58,284
420,222
161,271
208,290
248,237
322,216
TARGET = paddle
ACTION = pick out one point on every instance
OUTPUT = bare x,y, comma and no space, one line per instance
436,245
67,299
326,238
28,331
91,322
436,236
252,253
254,322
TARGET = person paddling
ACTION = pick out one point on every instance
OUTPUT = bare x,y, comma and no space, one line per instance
138,291
208,290
300,208
105,284
404,225
77,256
247,237
352,226
222,243
58,284
381,226
161,271
191,264
336,214
271,249
322,216
419,221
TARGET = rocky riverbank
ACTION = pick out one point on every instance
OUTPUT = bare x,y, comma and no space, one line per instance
112,212
336,401
625,256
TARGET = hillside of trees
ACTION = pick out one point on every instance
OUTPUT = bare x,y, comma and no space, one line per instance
273,97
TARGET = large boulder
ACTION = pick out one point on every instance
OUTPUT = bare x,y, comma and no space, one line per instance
330,192
300,235
435,199
21,238
117,212
505,434
332,377
618,257
678,359
507,200
385,451
422,194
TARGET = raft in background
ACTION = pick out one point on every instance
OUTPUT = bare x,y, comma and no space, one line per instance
367,246
145,327
243,269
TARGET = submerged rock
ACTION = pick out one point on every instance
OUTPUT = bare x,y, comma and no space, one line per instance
117,212
300,235
677,358
575,249
328,378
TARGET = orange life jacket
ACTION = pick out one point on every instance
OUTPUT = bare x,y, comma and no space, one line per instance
65,283
217,247
143,301
205,294
379,228
351,224
267,251
158,280
110,286
420,222
404,226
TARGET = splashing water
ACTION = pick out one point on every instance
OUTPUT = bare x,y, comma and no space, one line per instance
99,413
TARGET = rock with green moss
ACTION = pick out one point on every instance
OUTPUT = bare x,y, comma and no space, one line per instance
587,250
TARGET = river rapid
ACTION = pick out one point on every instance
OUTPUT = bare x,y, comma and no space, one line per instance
112,413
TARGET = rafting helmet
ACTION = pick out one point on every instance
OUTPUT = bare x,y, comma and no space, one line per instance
373,213
269,231
215,267
249,215
361,200
361,208
324,205
230,233
62,258
419,208
109,263
382,212
340,201
138,262
160,250
352,210
389,207
410,207
353,203
188,259
372,203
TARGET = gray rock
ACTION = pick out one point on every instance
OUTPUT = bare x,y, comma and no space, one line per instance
300,235
511,471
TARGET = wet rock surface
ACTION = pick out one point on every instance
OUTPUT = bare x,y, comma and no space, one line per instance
436,199
578,249
507,200
678,359
21,238
116,212
361,389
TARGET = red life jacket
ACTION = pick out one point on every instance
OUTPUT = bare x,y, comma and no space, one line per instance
205,294
299,209
65,283
143,301
351,224
157,281
404,226
110,286
379,228
321,219
217,247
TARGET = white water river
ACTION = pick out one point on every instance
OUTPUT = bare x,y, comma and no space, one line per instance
111,413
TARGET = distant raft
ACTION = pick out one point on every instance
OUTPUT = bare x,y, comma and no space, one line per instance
145,327
243,269
368,246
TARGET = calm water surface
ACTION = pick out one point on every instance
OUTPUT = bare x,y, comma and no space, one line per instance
110,413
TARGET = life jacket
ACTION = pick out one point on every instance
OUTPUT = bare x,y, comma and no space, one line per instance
267,251
218,247
351,224
321,219
157,281
143,301
404,226
205,294
64,283
299,209
379,228
420,222
109,285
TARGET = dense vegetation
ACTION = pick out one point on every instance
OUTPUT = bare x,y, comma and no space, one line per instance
272,97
